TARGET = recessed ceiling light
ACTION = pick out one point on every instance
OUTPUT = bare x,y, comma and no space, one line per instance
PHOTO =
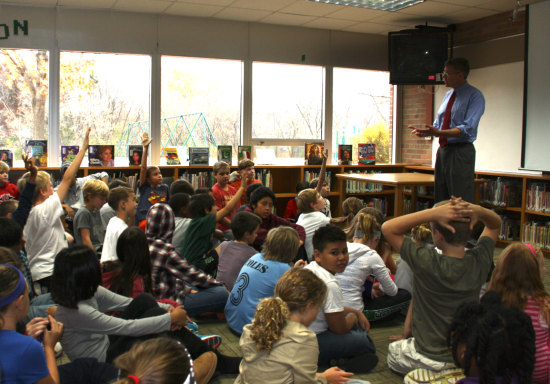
382,5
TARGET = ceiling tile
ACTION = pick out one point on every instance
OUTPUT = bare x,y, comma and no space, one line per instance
287,19
356,14
142,6
310,8
241,14
96,4
371,28
326,23
401,19
223,3
469,14
264,5
193,10
465,3
431,8
31,2
500,5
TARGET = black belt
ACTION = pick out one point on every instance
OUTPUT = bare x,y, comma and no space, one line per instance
457,144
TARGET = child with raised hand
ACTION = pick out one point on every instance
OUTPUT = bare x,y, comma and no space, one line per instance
222,193
311,204
44,230
341,331
350,208
259,276
365,262
278,347
517,278
291,211
88,226
151,189
121,199
321,185
440,282
89,332
197,246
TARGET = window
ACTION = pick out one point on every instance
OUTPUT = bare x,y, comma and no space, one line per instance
200,104
23,99
287,101
362,103
108,92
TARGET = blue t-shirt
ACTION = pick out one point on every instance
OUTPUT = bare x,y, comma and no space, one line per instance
256,281
22,359
148,197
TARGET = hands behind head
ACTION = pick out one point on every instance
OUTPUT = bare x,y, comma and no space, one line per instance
456,210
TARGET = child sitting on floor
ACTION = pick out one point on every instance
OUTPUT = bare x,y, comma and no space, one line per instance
350,208
291,211
179,203
517,278
151,189
341,331
88,227
365,263
259,275
440,282
121,199
222,193
311,204
234,254
8,191
107,213
278,347
245,171
249,191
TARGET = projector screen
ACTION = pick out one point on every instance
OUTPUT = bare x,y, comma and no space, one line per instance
536,117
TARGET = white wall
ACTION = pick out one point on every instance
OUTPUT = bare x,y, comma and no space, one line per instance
498,144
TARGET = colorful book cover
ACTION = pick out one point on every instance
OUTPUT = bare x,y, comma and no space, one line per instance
101,155
135,153
199,155
69,152
345,154
225,153
7,157
38,149
244,152
366,154
171,155
313,153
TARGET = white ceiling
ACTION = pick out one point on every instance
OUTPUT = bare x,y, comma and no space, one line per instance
303,13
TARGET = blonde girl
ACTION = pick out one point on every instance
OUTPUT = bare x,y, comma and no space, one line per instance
278,347
356,282
517,278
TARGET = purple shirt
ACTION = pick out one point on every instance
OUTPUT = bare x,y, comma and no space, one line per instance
232,258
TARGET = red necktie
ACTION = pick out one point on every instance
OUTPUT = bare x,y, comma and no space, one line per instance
447,120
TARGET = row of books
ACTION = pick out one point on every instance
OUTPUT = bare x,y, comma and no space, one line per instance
510,228
537,232
421,191
199,179
501,192
380,204
265,177
360,186
420,206
310,175
538,197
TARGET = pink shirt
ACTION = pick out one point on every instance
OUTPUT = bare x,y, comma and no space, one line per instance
541,373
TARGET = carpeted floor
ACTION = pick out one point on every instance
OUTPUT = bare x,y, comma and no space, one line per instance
380,331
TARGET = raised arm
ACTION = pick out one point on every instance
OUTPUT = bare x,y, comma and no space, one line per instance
73,169
145,141
323,173
230,206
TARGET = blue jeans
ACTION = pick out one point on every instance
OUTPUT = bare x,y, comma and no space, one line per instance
39,307
354,343
206,300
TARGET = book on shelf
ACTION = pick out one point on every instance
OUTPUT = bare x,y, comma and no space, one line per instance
537,232
311,174
7,157
345,154
69,152
501,192
379,204
538,197
199,179
353,186
225,153
38,149
313,153
244,152
135,153
171,156
510,228
366,154
101,155
265,177
199,155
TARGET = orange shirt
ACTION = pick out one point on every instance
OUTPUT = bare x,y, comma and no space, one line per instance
237,184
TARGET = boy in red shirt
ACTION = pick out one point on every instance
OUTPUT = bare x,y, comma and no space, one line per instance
245,171
222,193
8,191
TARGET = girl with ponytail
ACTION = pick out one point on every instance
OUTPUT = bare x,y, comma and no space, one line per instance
278,347
350,207
356,281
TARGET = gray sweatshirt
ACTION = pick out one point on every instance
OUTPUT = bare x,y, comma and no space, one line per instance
87,327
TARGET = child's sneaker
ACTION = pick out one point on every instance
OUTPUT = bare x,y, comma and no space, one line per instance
58,350
212,340
424,376
193,327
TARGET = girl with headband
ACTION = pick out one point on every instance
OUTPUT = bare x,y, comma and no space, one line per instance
517,278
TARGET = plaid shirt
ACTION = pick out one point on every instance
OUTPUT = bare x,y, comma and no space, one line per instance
169,269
